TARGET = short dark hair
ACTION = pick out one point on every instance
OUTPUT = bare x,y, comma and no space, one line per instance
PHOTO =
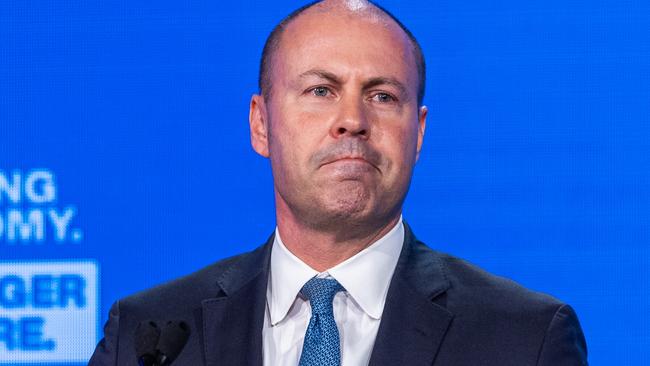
273,40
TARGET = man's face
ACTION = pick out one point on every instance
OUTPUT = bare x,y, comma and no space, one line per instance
341,126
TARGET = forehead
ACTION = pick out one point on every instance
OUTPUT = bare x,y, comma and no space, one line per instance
362,40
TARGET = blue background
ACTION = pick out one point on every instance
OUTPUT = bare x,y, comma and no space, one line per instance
535,162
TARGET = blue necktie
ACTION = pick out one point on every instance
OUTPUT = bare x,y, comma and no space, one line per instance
322,346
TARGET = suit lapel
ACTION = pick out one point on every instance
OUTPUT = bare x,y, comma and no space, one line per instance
232,321
413,326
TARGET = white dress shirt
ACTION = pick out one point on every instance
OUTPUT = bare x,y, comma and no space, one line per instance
357,310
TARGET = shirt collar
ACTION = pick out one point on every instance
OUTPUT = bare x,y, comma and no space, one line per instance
365,276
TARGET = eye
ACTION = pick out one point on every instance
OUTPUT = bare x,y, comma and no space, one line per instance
383,98
320,91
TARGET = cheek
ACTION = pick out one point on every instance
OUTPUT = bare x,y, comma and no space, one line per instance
294,138
401,144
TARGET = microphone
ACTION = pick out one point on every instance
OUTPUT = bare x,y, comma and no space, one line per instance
159,346
173,337
146,339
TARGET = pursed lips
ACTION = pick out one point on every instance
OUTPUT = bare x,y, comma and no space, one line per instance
351,159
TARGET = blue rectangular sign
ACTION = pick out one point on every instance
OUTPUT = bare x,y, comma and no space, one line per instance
48,311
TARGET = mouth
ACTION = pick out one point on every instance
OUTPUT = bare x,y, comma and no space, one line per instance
351,160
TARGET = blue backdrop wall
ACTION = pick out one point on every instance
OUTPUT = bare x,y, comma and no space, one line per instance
125,157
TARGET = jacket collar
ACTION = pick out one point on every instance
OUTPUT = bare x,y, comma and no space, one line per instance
411,331
413,326
232,321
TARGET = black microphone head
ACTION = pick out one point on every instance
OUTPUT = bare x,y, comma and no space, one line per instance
173,337
147,335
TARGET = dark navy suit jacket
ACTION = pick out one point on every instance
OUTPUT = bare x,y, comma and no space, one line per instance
440,311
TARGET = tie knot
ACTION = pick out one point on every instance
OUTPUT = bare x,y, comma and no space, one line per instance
320,292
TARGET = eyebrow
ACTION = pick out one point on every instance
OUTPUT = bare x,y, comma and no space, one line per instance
386,81
372,82
322,74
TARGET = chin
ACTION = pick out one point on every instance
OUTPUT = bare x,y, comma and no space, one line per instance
339,205
344,210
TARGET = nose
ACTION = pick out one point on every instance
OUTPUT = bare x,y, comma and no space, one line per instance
352,120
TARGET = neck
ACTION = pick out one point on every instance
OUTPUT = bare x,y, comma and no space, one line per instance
322,250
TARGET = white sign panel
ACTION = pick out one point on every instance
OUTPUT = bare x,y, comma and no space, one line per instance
48,311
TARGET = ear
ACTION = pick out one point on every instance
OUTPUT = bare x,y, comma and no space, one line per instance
258,121
422,125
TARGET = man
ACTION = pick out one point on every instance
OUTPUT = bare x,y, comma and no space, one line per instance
343,281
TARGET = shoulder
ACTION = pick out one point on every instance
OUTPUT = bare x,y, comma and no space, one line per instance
478,286
467,286
479,297
496,313
179,298
478,294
